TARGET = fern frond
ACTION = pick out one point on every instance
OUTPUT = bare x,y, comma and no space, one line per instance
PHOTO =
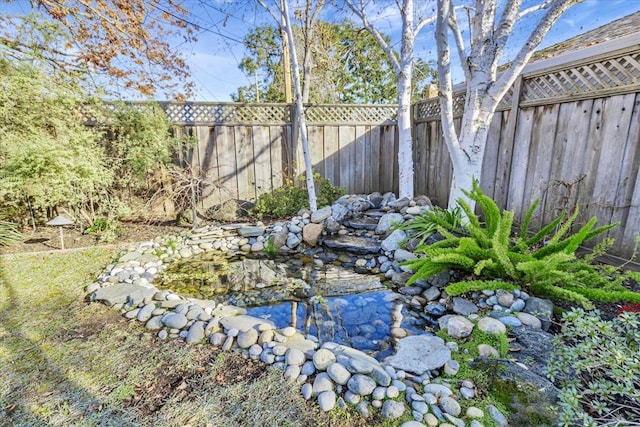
500,243
482,265
537,238
455,260
566,226
427,270
524,227
557,293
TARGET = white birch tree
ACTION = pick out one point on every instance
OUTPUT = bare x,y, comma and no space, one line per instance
280,13
403,66
485,87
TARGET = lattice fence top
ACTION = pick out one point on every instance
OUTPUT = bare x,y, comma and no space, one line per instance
208,113
583,81
351,114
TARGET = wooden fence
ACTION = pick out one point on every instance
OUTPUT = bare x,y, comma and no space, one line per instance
568,132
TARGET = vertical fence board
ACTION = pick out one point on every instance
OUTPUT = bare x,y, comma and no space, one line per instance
316,147
386,158
227,163
519,161
262,160
616,121
346,136
626,212
590,164
244,164
277,153
490,161
373,172
503,163
331,154
360,159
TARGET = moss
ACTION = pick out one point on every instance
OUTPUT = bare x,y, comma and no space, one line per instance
525,400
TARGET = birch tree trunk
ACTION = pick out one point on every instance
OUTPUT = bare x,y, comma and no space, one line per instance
302,123
403,66
284,20
484,87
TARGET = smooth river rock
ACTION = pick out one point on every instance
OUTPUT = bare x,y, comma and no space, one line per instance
420,353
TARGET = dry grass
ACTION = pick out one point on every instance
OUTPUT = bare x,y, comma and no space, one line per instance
66,362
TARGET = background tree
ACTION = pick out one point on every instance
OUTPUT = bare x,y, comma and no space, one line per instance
124,43
348,66
480,55
403,65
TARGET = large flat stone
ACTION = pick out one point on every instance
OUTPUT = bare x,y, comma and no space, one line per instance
352,244
119,293
420,353
244,322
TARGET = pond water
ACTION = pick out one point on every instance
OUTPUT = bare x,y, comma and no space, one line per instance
329,301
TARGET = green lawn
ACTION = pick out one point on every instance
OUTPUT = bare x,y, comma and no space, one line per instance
66,362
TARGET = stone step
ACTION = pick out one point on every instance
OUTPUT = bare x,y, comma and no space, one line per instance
361,223
352,244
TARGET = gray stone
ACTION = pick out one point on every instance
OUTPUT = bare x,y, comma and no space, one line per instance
437,390
254,351
463,306
511,321
529,320
146,311
322,383
497,416
412,424
321,214
339,211
392,242
175,320
419,354
293,240
541,308
489,325
228,343
528,393
291,373
392,409
361,384
338,373
307,391
247,338
327,400
250,231
352,244
363,408
387,221
279,239
420,406
244,322
451,367
535,348
517,305
459,327
431,294
196,333
154,323
450,406
308,368
323,358
217,339
122,292
295,357
401,255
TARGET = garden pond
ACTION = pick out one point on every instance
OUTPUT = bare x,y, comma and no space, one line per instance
328,300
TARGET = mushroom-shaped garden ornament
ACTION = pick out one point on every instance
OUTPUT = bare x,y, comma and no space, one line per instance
60,221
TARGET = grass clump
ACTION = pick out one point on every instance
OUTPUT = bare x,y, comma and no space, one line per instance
291,198
426,224
9,233
597,364
546,262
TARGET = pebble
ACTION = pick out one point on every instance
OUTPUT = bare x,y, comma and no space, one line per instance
450,406
338,373
361,384
392,409
489,325
473,412
294,357
247,338
323,358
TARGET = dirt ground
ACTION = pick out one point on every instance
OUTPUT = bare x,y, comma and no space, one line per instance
46,238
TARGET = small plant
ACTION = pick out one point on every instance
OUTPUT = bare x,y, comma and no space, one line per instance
597,365
290,198
546,261
269,248
424,225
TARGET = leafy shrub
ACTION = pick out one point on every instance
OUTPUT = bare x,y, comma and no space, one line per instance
545,261
424,225
597,364
290,198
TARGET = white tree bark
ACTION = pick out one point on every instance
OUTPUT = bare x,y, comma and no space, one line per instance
302,123
484,88
403,67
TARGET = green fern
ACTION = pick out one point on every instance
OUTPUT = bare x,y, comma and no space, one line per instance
488,252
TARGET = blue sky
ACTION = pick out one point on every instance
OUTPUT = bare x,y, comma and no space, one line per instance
214,58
